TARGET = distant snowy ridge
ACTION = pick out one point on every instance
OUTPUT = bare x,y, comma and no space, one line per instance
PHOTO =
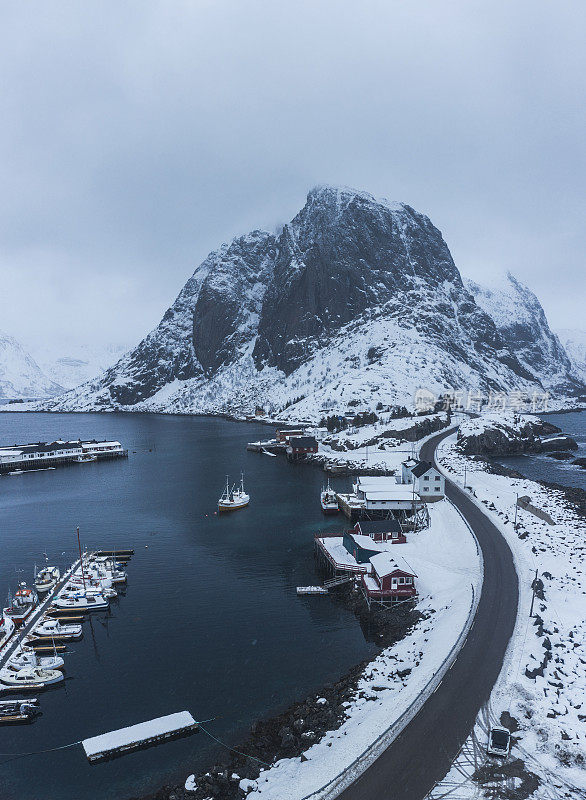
20,375
70,363
521,321
574,343
356,302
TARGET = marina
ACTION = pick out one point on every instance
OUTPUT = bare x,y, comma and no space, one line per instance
259,636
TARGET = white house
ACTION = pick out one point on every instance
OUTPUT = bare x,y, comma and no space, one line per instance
428,482
385,494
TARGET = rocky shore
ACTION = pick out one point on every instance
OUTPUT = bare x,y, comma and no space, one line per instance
290,733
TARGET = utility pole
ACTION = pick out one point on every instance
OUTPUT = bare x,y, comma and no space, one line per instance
533,596
465,476
516,509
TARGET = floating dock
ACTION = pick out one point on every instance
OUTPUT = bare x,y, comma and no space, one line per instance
311,590
115,743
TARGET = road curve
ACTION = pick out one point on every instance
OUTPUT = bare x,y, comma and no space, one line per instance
425,750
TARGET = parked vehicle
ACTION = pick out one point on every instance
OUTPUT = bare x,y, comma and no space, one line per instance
499,742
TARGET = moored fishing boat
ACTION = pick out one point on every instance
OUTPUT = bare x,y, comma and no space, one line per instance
18,710
46,579
80,601
22,605
328,500
29,677
7,628
235,498
26,657
54,629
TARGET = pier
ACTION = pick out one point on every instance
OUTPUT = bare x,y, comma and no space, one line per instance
145,734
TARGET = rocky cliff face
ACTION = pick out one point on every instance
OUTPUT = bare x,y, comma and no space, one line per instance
523,326
356,302
509,434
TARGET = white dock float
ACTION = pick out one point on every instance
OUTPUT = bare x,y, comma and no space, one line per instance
108,745
311,590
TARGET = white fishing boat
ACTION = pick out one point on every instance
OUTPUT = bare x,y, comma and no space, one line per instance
22,605
54,629
26,657
235,498
328,500
85,457
7,628
80,601
267,453
46,579
18,710
29,677
93,586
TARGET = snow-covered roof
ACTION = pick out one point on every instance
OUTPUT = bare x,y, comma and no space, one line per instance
387,563
398,491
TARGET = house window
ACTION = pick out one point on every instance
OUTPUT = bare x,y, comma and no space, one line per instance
437,477
401,580
426,488
394,583
409,580
426,478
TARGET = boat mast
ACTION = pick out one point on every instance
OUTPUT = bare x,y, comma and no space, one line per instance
81,560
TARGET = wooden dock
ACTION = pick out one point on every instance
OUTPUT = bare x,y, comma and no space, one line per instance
145,734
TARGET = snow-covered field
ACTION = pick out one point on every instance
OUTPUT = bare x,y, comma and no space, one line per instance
448,566
543,680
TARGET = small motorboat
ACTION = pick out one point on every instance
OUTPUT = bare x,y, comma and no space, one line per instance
235,498
92,586
86,457
21,607
80,601
54,629
7,628
17,472
46,579
29,677
328,500
18,710
28,658
266,452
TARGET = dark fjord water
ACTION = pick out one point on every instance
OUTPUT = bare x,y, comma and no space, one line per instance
541,467
210,621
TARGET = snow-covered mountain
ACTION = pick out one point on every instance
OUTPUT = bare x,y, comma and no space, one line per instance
521,321
356,302
574,343
71,363
20,375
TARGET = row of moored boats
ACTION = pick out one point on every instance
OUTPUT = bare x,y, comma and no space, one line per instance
89,588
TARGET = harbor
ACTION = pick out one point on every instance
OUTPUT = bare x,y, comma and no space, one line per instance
226,580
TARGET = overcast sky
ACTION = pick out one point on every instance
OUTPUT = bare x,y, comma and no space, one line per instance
138,136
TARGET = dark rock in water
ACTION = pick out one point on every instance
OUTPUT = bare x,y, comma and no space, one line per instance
563,442
562,455
579,462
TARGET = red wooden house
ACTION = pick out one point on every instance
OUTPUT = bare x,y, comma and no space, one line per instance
390,578
300,446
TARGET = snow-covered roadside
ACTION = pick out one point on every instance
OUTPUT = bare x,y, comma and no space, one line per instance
448,566
543,680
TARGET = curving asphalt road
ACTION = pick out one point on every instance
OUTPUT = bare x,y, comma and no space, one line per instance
423,753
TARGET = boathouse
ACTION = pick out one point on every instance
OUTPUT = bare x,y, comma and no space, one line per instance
52,454
284,434
391,578
381,530
300,446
